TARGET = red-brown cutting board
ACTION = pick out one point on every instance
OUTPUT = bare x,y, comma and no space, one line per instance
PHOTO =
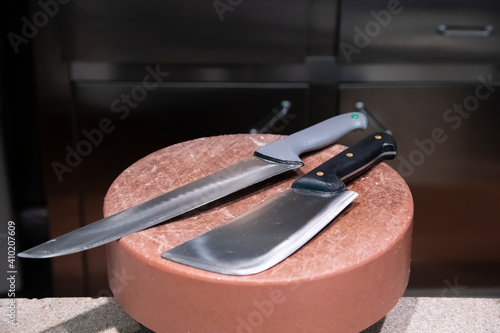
344,280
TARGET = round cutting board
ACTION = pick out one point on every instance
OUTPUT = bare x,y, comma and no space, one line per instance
344,280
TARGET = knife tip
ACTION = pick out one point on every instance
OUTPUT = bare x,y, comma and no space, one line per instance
29,254
26,254
23,255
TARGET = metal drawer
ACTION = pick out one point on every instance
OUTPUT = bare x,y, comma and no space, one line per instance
419,31
412,113
171,113
448,154
180,32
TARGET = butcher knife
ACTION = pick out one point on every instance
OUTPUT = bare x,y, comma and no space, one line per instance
265,236
269,160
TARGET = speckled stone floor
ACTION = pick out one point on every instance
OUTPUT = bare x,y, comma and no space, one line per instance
90,315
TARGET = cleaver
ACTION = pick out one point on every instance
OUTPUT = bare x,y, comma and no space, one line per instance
265,236
269,160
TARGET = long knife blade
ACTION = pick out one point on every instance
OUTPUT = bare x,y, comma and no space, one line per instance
273,231
272,159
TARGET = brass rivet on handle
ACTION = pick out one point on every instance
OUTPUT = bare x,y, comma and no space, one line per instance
319,173
349,155
378,137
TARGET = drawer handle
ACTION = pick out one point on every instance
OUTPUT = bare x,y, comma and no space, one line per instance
372,120
268,123
457,31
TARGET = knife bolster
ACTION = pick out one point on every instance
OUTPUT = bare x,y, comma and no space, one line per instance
288,148
296,164
329,177
330,185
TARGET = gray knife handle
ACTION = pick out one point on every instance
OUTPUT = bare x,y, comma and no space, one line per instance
288,148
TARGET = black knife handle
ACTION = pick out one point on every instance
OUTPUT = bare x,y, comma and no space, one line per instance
329,177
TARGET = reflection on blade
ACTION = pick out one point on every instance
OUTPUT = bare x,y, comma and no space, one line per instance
263,237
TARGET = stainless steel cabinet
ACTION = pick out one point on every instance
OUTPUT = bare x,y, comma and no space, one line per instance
392,31
448,154
185,32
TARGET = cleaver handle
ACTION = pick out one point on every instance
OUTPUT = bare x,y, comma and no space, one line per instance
329,177
288,148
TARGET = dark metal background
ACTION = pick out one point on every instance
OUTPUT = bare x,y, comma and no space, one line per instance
226,76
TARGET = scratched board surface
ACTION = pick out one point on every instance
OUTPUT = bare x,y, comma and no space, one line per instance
371,225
